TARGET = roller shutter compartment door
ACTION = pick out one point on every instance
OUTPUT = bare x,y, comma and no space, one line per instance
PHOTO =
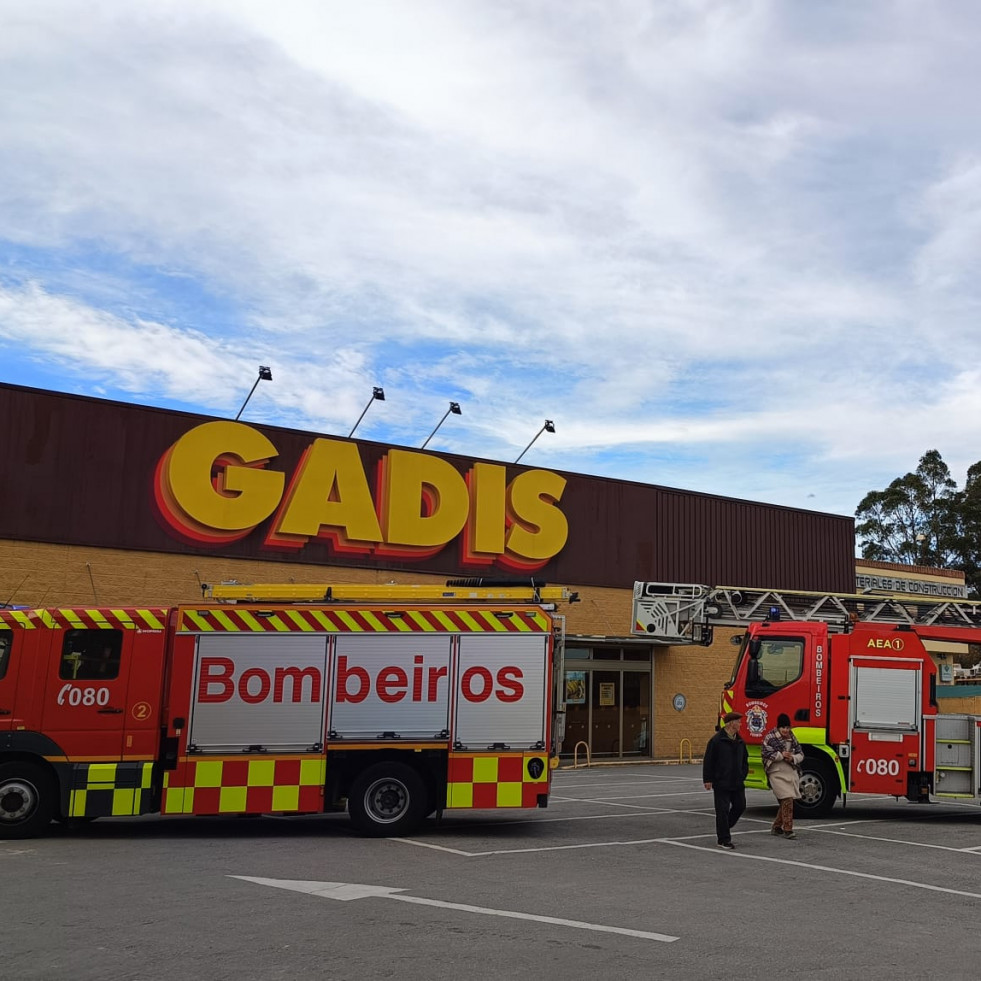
502,691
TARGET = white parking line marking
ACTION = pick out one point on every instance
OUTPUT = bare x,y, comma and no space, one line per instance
892,841
347,891
608,802
847,824
826,868
436,848
612,800
561,784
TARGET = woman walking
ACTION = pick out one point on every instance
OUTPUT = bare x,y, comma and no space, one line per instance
782,756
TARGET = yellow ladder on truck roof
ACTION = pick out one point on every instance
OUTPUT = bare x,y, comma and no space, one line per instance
391,592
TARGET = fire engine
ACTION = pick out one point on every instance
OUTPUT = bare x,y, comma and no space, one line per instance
398,701
852,673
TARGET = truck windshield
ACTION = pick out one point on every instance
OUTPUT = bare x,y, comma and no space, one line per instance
738,661
779,661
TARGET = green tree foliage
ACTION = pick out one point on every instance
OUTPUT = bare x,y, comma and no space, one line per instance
923,519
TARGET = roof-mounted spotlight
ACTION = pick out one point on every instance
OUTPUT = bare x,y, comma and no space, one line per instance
378,394
265,374
454,409
549,427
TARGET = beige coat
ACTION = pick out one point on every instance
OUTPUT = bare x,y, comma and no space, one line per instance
784,779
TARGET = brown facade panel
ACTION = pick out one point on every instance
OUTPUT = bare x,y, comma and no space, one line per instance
80,472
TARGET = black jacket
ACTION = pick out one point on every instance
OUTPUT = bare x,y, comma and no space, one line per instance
726,762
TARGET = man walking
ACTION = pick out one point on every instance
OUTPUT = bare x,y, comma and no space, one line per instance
724,770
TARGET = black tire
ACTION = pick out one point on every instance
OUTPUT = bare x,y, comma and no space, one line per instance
387,800
819,788
27,800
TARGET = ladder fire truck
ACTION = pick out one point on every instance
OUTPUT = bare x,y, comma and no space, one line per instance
401,701
852,673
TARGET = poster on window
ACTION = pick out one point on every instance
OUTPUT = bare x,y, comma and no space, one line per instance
608,693
575,687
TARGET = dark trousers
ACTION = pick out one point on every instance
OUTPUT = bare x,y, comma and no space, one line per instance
729,807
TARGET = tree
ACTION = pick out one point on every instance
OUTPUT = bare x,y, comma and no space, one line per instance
967,535
917,519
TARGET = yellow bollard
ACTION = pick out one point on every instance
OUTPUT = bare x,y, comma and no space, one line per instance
681,751
575,754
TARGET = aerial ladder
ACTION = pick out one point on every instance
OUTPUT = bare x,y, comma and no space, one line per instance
685,613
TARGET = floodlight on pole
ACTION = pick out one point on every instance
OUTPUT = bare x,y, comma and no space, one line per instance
376,393
264,375
549,427
454,409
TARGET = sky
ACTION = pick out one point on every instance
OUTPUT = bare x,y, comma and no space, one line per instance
728,247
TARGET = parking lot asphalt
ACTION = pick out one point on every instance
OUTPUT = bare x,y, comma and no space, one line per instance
620,876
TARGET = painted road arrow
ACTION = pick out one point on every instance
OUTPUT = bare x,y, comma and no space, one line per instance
346,891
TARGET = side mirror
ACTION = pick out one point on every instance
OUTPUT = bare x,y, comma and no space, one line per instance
754,648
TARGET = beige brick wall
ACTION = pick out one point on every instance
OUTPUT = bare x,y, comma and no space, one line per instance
35,574
71,575
968,705
698,673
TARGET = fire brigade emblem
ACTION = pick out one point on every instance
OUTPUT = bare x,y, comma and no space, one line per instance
756,719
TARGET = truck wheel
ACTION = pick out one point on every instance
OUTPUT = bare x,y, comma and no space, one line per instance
387,799
27,800
818,788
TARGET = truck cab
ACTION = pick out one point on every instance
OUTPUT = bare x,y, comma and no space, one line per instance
783,667
862,704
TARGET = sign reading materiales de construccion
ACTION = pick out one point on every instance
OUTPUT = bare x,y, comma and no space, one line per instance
913,587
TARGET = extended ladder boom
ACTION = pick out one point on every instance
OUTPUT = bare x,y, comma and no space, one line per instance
684,613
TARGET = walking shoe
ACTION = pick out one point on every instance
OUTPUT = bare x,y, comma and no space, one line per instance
777,831
727,844
790,834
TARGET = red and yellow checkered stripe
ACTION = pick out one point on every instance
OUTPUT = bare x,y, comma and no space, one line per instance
153,618
362,620
481,780
245,786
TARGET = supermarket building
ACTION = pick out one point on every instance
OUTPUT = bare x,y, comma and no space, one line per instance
112,504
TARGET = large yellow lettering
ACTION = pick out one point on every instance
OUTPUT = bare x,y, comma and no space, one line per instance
483,536
328,497
539,530
424,503
211,485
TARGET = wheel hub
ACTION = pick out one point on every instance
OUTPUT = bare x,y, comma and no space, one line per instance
17,800
811,788
387,800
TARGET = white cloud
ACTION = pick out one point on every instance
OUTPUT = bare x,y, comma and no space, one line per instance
730,242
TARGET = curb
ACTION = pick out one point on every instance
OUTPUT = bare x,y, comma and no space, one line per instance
615,763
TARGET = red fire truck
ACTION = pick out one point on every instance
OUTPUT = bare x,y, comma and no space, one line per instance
401,701
852,673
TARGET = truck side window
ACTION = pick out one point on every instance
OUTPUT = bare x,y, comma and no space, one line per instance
4,652
780,661
91,655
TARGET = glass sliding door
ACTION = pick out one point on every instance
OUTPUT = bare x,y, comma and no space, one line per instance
605,704
637,712
608,705
576,711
